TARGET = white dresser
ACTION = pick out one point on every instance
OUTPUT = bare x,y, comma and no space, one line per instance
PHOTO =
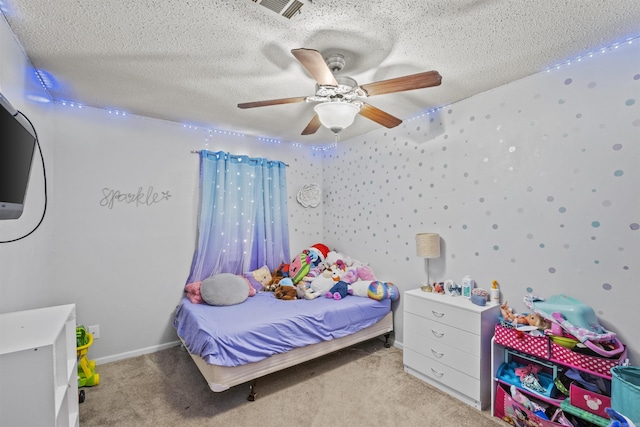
38,367
447,343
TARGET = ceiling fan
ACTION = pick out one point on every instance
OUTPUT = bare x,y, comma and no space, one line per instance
339,97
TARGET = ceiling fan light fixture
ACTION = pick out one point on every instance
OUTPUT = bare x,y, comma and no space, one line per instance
336,116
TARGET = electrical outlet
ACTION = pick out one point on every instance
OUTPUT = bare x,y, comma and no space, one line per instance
95,331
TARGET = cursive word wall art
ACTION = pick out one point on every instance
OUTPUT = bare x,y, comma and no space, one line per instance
142,197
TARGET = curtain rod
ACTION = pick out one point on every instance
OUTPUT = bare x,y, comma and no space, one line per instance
198,152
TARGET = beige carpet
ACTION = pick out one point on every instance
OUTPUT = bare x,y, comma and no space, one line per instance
364,385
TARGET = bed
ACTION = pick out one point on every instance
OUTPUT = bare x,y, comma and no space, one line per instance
240,343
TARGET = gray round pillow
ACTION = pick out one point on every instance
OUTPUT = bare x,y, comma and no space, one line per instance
224,289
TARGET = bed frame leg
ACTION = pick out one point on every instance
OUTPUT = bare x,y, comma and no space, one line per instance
252,390
387,344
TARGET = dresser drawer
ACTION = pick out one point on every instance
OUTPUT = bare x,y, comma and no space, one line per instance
442,353
443,374
455,312
445,334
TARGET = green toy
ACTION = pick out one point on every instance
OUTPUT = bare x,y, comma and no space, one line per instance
87,376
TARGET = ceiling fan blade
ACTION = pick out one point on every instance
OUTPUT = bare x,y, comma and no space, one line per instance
379,116
314,63
313,126
272,102
401,84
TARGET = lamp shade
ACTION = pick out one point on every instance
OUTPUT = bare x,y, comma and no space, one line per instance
428,245
336,115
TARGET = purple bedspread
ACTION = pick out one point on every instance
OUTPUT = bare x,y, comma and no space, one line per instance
263,325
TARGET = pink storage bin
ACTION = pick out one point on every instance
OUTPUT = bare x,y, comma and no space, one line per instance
597,365
514,413
518,340
589,401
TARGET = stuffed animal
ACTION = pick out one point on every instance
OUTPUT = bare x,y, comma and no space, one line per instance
279,273
285,290
380,290
299,267
259,278
365,273
335,272
360,288
339,290
322,283
304,291
318,253
349,276
313,273
282,270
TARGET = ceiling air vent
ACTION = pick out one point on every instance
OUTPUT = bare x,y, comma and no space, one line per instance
286,8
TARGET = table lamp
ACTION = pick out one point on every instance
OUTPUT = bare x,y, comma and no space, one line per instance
428,246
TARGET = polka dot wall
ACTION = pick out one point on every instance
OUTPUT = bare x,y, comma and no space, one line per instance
534,184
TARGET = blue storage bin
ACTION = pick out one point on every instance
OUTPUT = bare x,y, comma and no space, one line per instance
625,391
507,374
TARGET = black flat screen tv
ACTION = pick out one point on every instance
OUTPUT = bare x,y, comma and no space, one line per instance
17,144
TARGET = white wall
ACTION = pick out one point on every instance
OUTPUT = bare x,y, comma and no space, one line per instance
534,184
31,284
124,265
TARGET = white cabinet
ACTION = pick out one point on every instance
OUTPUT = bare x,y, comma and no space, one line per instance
38,367
447,343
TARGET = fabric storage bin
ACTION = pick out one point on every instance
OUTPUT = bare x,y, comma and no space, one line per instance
594,364
514,413
518,340
625,391
589,400
546,372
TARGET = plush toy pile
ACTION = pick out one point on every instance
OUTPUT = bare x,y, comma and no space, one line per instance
318,271
315,272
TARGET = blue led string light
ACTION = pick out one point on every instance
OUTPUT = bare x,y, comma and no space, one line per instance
327,147
593,53
579,58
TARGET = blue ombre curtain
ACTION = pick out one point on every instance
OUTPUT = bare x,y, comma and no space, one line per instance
243,222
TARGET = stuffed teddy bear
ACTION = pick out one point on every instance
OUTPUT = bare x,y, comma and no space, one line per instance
279,273
285,290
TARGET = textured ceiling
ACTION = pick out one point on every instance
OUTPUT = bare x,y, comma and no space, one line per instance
193,61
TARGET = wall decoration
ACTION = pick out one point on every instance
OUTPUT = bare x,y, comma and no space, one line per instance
309,195
140,198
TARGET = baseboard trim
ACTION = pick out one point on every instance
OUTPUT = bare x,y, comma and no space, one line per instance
135,353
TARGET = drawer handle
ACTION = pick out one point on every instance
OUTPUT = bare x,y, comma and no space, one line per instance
437,313
436,354
437,334
436,373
